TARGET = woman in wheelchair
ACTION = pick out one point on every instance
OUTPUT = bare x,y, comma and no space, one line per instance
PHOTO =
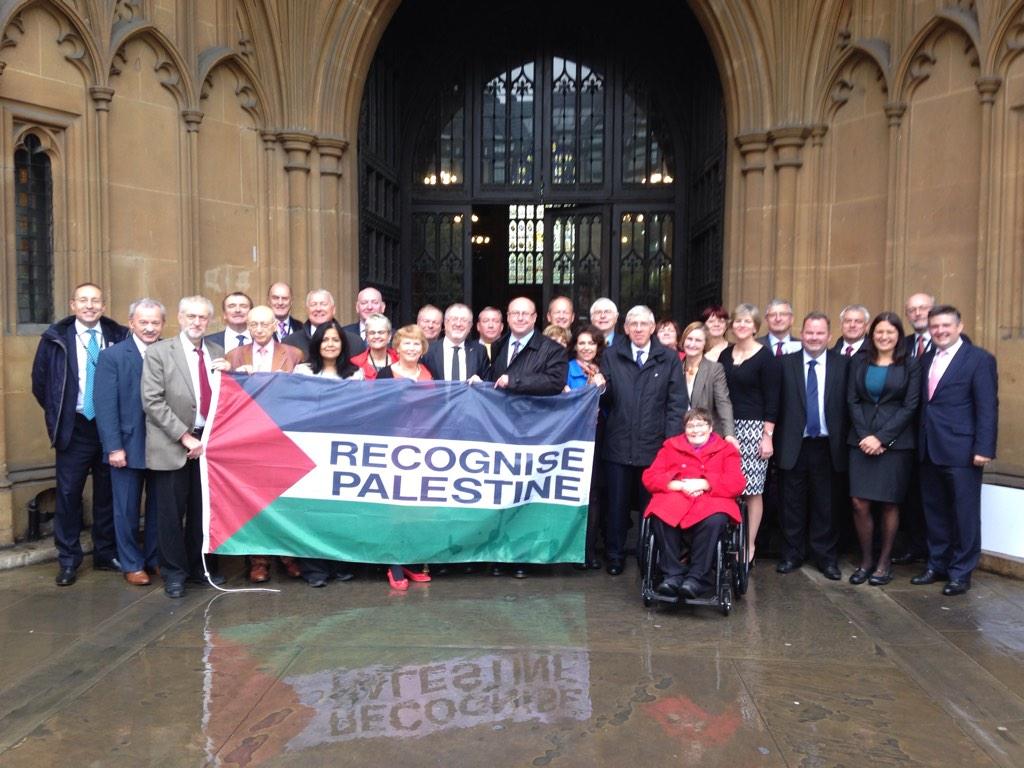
694,481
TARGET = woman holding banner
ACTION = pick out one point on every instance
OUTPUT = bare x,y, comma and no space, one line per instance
328,357
411,344
378,353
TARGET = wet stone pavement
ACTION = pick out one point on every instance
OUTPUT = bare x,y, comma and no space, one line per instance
562,669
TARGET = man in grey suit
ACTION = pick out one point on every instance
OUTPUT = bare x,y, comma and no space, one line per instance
176,396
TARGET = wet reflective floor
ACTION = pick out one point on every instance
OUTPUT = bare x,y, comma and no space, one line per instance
563,669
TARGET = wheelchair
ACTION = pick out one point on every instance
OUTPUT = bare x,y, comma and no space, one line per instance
731,570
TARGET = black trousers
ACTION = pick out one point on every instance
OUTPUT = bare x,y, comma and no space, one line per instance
703,538
82,457
623,486
179,516
952,511
807,494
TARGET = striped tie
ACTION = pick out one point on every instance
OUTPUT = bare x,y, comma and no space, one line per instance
92,353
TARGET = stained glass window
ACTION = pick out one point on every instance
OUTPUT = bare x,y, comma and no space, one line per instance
438,258
526,244
33,215
645,261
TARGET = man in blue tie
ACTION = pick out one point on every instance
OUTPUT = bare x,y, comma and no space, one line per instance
810,446
63,382
235,314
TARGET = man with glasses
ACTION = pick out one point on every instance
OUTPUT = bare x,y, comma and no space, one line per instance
604,315
779,316
177,389
63,383
456,357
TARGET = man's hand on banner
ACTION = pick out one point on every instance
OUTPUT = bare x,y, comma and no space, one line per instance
220,364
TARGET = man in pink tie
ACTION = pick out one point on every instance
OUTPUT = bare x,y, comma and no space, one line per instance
176,394
853,321
956,439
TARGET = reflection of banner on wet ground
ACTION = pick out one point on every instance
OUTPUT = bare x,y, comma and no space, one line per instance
412,701
391,471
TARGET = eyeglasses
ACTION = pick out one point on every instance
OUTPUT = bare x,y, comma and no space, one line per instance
521,314
262,323
196,318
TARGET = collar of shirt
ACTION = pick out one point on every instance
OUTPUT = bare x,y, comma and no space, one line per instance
820,359
140,345
449,344
950,351
646,350
83,332
773,339
855,344
522,342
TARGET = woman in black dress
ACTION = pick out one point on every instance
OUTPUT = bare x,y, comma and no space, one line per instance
883,391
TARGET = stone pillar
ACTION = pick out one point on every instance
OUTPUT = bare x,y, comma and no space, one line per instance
191,280
749,274
99,261
990,258
340,270
277,267
812,258
896,278
788,141
297,147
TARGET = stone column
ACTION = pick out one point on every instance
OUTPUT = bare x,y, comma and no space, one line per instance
277,267
749,272
896,287
191,280
788,142
340,270
297,147
990,258
99,262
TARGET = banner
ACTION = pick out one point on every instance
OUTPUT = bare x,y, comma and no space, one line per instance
396,471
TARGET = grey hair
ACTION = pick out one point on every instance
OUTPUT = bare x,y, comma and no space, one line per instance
604,303
642,312
855,308
147,303
378,316
196,300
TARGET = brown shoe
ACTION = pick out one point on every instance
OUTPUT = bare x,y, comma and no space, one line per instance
137,578
259,573
291,567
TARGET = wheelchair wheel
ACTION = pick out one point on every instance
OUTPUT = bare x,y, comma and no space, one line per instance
742,573
647,560
725,599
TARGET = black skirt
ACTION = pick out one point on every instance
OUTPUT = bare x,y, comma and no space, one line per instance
882,478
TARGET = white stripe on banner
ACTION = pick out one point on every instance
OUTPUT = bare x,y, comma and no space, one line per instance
454,473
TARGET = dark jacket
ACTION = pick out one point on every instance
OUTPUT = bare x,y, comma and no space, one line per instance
643,405
540,368
358,345
474,354
120,419
892,418
55,374
789,430
300,339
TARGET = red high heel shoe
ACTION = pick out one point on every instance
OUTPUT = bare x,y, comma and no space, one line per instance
419,578
400,584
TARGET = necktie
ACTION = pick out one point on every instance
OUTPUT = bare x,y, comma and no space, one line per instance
92,353
205,393
456,373
264,362
241,339
919,349
282,329
778,349
639,358
849,350
813,419
934,374
515,351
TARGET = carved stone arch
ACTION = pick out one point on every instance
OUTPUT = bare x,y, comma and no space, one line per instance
170,66
917,64
247,86
79,45
837,85
48,140
1007,41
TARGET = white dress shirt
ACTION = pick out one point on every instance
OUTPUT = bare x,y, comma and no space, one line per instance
856,346
522,344
645,350
193,371
231,339
263,357
448,350
81,351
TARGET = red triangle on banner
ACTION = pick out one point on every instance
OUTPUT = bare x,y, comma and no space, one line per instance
249,462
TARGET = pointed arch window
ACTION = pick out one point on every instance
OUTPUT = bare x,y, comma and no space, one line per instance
33,212
441,150
577,123
507,150
647,156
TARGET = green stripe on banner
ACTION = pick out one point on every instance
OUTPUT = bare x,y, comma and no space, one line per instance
385,533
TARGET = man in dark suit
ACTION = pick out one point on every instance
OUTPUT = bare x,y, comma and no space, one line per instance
810,446
527,363
177,379
319,310
644,402
956,439
63,383
430,321
279,297
918,343
489,327
456,357
853,324
779,316
122,426
235,312
369,301
605,315
561,312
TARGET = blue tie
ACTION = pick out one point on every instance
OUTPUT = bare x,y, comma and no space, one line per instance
515,351
639,358
813,419
92,353
241,339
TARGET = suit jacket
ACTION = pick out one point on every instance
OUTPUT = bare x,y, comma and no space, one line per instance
286,357
891,419
358,344
294,324
711,392
169,401
789,430
840,345
540,368
961,419
475,356
300,339
120,419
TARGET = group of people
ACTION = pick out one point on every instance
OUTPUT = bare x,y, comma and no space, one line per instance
690,419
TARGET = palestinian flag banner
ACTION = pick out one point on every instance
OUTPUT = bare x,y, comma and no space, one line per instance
396,471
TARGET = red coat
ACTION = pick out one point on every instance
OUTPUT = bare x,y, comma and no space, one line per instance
718,462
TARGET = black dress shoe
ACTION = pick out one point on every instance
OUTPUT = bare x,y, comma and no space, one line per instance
880,579
579,566
215,579
927,576
66,577
174,589
788,566
594,564
693,589
106,565
495,570
860,575
831,572
317,582
956,587
668,588
905,558
614,567
344,575
519,572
